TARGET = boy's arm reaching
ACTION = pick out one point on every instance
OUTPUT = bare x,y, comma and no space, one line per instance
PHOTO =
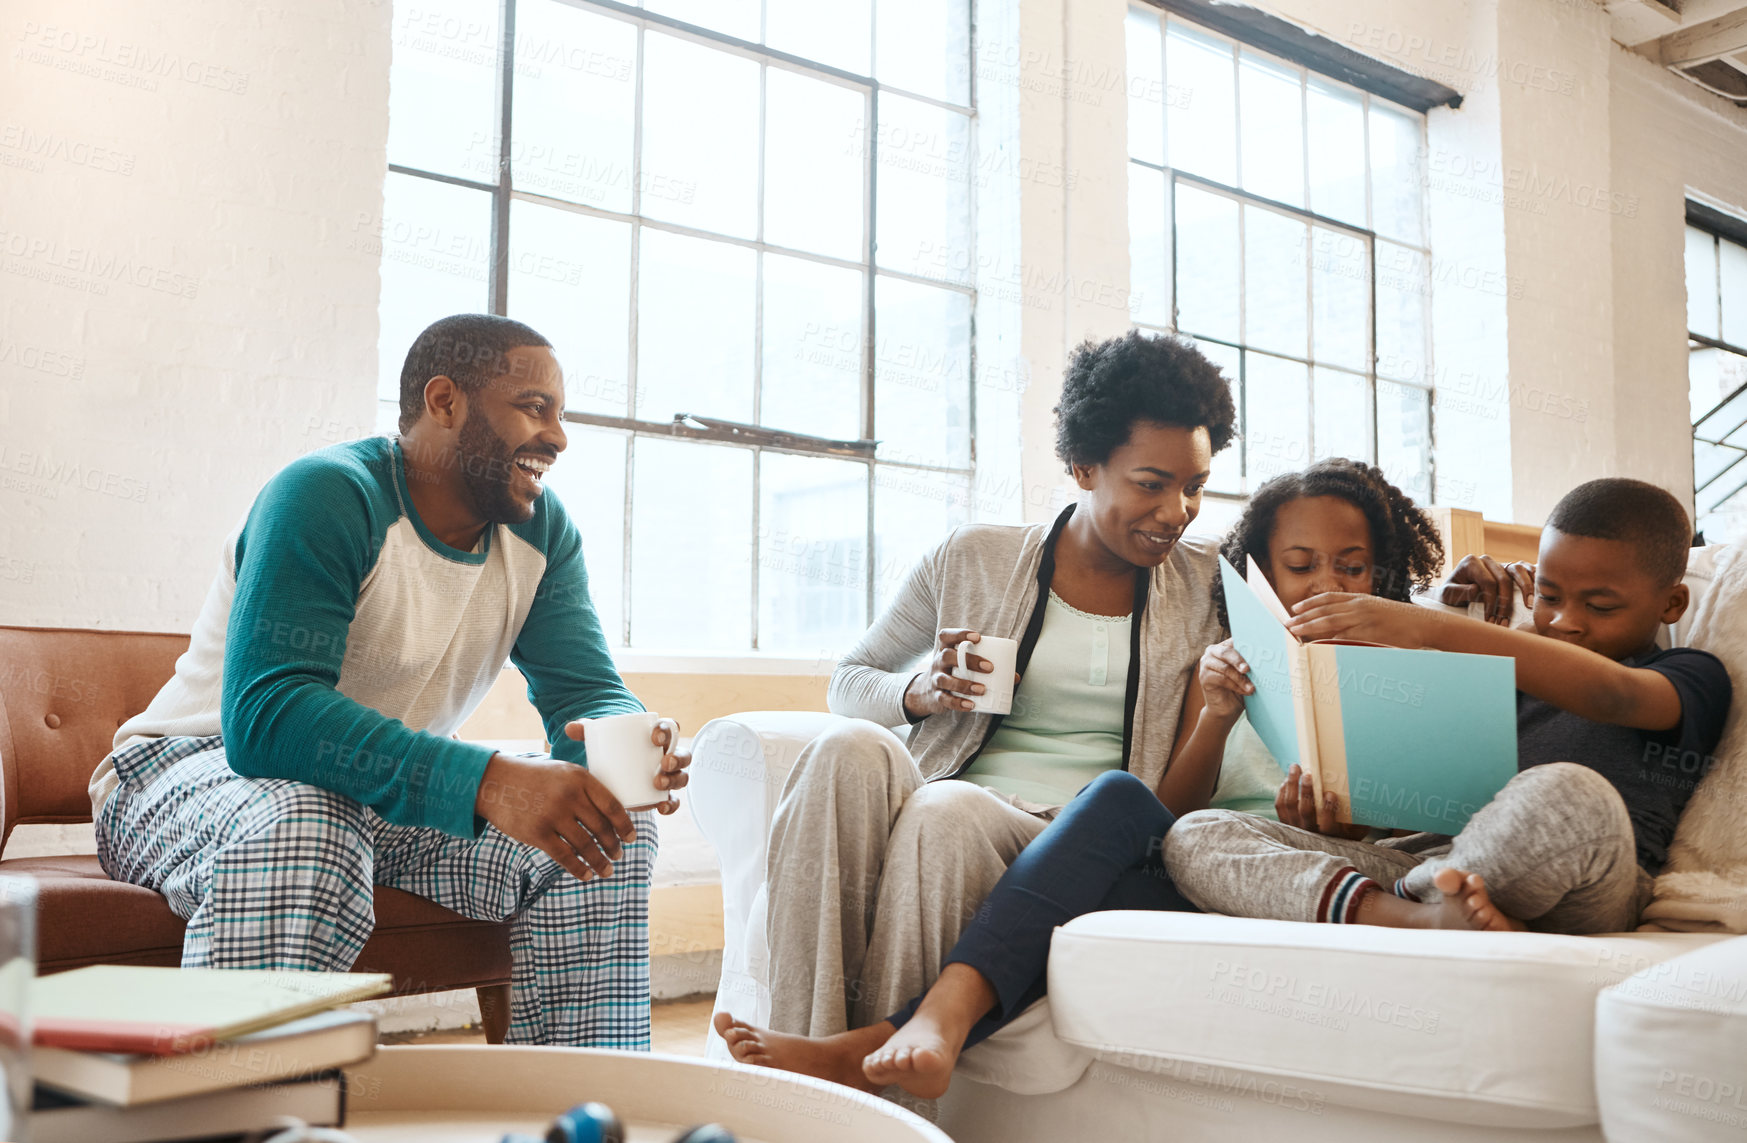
1569,677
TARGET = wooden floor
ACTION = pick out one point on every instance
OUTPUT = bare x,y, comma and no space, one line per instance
678,1028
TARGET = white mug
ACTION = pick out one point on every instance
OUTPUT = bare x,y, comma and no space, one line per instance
997,696
622,755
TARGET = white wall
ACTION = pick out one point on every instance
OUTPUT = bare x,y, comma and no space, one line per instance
183,300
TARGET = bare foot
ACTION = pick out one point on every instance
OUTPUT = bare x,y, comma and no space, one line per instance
919,1058
1467,905
835,1058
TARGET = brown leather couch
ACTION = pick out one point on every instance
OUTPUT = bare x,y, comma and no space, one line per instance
63,694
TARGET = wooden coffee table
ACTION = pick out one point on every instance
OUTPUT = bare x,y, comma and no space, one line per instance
473,1094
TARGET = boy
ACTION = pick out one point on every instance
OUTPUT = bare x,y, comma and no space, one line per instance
1603,719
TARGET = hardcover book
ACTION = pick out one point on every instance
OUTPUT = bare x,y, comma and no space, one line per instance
1405,739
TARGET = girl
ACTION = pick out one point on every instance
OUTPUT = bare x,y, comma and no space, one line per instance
1337,526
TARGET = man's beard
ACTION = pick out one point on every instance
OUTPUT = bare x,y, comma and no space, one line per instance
487,467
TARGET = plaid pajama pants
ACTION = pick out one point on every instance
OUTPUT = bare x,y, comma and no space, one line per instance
274,873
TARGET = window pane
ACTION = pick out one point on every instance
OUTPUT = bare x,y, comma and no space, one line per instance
1216,518
1733,272
700,134
1724,498
1272,114
924,218
922,369
1710,461
1228,465
568,59
924,46
1404,449
1146,86
738,18
691,546
813,165
694,328
812,554
1340,292
1148,247
1203,130
841,39
1397,174
1276,286
913,512
589,479
1343,415
1726,525
1276,416
1701,282
1401,316
570,278
436,247
1207,263
442,94
1716,373
1337,152
812,348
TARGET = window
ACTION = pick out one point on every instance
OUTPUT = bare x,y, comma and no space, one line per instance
738,212
1716,333
1277,218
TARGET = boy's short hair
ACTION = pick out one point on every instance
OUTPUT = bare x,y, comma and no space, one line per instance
1112,385
1645,516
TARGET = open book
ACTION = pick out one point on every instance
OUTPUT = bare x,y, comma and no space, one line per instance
1415,740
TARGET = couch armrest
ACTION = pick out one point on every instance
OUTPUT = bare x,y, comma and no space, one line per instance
1670,1043
739,766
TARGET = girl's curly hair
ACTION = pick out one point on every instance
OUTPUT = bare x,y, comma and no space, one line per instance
1407,550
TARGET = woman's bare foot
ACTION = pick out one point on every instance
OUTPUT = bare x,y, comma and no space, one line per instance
1466,905
835,1058
920,1056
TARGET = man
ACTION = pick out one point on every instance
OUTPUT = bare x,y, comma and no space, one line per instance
302,754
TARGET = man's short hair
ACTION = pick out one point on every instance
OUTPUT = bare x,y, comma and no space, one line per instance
469,349
1648,518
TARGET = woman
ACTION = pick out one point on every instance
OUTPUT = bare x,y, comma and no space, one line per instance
1338,526
876,857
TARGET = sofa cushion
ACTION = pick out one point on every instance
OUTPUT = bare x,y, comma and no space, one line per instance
1671,1049
84,917
1704,886
1482,1028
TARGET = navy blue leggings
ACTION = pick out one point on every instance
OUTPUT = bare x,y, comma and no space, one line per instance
1103,851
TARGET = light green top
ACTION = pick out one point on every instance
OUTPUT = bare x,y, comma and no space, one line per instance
1066,724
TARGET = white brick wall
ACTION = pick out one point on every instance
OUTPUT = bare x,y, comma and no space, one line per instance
179,297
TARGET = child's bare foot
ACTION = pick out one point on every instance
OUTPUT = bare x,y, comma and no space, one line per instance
835,1058
1467,905
919,1058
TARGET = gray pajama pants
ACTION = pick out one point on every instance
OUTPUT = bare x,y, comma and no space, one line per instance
872,875
1555,847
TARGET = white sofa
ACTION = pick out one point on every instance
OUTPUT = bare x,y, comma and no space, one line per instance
1191,1027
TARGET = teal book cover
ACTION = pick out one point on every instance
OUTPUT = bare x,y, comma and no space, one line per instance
1406,739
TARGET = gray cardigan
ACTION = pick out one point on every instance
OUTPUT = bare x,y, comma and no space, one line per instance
984,577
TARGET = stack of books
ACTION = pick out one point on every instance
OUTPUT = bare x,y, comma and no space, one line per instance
152,1055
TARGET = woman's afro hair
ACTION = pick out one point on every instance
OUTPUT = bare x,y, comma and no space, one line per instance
1111,385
